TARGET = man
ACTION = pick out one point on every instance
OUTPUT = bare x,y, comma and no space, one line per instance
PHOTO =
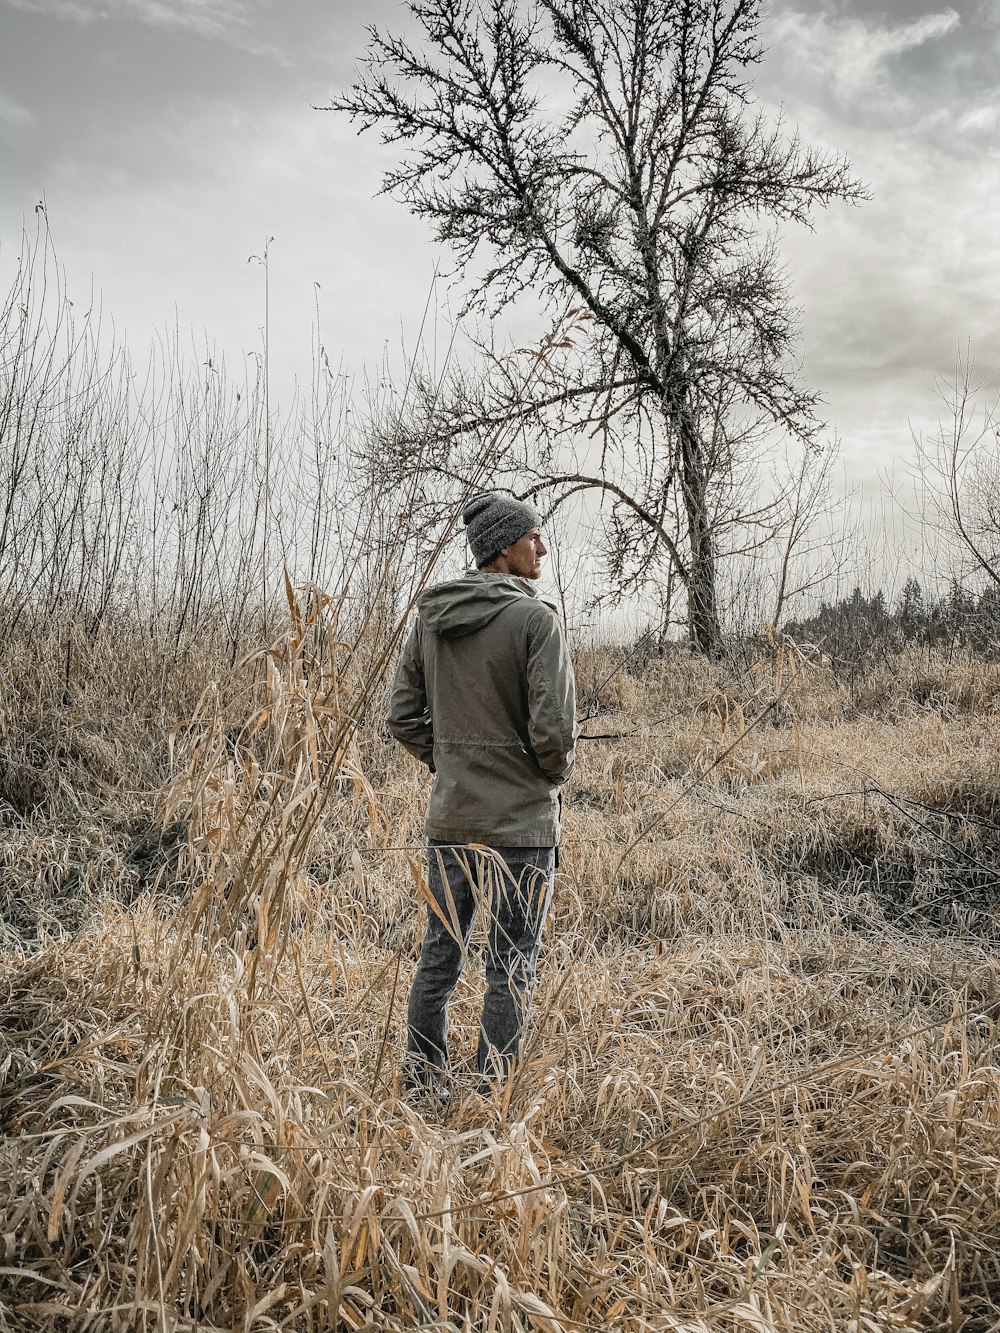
484,696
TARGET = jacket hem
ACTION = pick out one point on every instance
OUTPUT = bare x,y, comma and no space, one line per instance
523,837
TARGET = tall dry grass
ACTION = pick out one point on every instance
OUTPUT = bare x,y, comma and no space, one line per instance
761,1087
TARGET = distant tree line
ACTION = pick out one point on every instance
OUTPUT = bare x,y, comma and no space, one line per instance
860,624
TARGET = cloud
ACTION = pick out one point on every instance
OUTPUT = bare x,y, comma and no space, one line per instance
231,21
981,119
853,54
14,116
891,289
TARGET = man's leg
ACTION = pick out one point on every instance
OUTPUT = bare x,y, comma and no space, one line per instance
451,878
520,890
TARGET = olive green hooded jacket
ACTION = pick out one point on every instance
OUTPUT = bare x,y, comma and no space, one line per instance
484,696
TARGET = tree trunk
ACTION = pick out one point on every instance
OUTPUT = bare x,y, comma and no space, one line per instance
704,629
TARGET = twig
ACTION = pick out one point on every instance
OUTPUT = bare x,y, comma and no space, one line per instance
873,789
658,819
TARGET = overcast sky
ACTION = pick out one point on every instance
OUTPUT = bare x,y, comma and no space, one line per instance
170,138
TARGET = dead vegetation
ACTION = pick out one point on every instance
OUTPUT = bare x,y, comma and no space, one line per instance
762,1088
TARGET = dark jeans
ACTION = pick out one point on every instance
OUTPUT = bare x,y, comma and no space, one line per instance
513,888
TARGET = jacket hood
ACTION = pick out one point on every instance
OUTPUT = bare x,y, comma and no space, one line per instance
463,606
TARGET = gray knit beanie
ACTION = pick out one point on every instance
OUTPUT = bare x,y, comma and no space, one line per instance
493,521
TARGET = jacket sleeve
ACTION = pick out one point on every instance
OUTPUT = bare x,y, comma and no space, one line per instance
409,718
551,698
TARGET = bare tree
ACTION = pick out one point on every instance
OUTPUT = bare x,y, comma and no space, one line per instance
959,470
607,153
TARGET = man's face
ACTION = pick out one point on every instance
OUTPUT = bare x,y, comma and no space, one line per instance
525,556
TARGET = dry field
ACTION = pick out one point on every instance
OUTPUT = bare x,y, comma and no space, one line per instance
762,1084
